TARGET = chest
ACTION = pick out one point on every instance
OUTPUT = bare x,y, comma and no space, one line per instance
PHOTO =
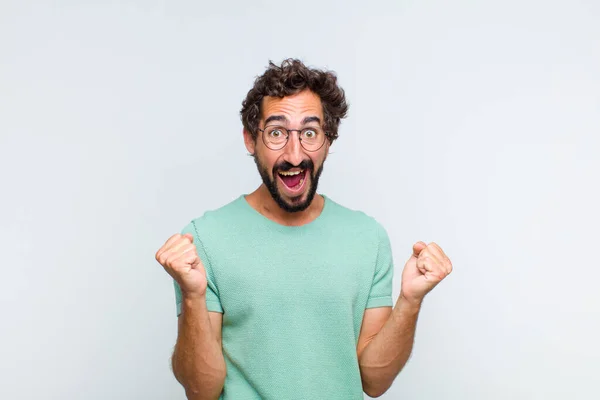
293,276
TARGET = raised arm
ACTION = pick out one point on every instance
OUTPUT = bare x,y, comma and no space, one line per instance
198,362
386,338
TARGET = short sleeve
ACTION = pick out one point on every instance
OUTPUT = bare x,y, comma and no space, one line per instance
213,302
381,287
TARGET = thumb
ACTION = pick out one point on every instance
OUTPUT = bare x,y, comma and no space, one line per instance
418,248
189,236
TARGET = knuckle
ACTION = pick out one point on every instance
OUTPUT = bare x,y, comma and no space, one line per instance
169,261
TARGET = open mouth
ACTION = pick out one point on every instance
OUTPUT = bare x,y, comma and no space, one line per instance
293,180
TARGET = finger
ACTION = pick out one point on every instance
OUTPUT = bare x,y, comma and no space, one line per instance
439,253
174,259
168,244
178,245
433,252
430,263
434,271
170,254
430,252
186,254
425,264
418,248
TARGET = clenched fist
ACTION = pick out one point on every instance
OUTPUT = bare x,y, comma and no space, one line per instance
179,258
426,267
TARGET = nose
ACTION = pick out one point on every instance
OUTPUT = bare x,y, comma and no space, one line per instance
294,153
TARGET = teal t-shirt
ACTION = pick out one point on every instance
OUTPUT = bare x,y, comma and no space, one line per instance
292,298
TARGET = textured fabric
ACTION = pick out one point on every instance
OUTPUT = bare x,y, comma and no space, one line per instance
292,298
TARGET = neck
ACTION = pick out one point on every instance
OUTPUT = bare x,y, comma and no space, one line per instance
262,201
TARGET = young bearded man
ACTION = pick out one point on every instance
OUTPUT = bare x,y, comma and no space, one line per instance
283,293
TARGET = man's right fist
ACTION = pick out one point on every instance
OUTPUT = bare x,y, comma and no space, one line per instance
179,258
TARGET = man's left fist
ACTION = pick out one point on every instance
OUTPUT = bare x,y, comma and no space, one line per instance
426,267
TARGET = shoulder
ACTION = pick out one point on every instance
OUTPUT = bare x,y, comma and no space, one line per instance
355,219
214,220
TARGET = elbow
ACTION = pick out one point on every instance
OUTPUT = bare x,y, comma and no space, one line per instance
374,391
208,386
375,388
208,389
202,395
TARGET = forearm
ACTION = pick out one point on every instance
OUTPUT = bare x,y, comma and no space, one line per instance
198,362
387,353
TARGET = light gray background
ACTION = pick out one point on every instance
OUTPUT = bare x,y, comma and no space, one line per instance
472,124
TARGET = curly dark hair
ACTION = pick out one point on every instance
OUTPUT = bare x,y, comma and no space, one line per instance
291,77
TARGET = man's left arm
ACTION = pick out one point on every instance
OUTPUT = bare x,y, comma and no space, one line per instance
387,335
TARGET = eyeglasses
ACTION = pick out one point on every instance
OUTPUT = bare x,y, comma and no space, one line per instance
276,137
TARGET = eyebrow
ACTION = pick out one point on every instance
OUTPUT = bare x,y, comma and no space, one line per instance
282,118
275,118
306,120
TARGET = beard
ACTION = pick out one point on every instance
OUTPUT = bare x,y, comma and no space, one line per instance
271,183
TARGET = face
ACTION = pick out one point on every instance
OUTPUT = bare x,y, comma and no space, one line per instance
292,173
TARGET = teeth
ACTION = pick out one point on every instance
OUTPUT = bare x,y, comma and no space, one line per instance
288,173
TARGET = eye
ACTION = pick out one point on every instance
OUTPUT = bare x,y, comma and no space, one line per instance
275,132
310,133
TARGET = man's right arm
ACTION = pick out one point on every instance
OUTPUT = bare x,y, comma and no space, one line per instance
198,362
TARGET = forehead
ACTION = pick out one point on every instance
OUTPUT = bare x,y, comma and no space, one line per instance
297,105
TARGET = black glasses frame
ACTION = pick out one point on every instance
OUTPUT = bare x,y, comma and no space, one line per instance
287,137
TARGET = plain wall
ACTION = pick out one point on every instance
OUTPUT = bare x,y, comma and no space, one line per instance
472,124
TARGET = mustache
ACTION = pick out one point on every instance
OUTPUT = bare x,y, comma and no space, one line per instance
286,166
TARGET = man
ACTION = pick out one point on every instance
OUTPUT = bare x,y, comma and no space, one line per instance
283,293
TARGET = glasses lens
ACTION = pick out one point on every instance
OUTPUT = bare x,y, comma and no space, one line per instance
275,136
312,138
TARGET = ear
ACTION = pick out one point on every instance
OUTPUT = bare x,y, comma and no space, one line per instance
249,141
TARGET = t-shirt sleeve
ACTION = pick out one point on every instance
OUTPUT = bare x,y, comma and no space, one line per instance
213,303
381,288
